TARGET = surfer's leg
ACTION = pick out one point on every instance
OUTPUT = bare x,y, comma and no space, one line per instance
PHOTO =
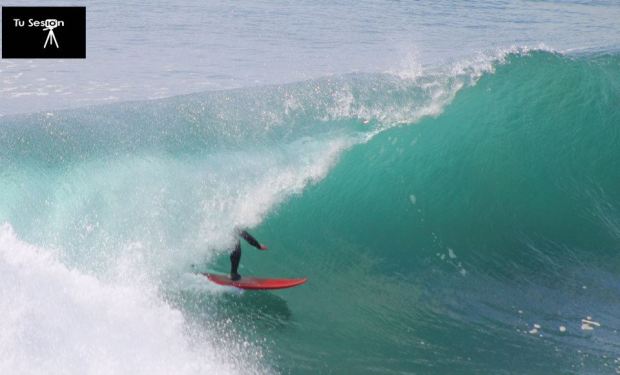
235,258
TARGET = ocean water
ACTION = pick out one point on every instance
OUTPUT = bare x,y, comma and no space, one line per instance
445,174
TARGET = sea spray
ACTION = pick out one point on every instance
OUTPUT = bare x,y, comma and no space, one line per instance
59,320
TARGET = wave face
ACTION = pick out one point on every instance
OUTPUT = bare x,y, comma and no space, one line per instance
458,220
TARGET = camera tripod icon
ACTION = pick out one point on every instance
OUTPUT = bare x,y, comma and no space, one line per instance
50,25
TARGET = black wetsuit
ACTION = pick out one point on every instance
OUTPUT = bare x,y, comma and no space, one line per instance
235,256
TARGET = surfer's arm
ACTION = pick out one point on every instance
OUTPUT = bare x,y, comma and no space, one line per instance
251,240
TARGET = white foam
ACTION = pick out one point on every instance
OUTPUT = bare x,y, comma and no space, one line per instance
412,199
260,182
58,320
440,85
451,253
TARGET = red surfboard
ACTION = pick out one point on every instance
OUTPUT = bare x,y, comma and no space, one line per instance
254,283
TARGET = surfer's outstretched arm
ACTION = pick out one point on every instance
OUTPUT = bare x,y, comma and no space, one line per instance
251,240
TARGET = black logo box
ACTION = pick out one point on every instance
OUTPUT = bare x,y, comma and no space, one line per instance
28,41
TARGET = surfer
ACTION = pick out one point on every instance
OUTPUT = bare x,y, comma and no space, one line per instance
235,256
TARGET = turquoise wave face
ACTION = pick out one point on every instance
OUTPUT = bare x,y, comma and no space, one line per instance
473,242
460,220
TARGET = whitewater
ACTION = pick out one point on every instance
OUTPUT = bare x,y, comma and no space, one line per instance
455,209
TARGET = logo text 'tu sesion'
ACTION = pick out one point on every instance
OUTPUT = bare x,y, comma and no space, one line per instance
48,25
